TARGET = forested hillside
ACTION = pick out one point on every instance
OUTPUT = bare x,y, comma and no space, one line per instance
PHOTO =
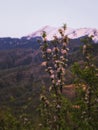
22,76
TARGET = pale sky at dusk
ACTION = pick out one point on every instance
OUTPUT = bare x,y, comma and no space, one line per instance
22,17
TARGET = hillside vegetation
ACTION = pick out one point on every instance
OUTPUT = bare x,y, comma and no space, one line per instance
22,77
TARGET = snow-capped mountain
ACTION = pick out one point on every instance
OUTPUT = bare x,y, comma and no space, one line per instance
70,32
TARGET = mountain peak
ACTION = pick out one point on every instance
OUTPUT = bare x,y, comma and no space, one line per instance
71,33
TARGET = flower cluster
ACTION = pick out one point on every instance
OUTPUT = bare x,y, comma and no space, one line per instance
55,54
54,103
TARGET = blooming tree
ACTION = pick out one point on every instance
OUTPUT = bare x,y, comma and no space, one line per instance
87,88
54,105
57,111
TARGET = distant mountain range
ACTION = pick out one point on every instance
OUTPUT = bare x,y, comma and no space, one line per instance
26,50
31,39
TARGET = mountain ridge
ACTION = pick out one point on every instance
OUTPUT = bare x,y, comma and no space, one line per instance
70,32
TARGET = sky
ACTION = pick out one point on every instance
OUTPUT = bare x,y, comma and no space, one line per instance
21,17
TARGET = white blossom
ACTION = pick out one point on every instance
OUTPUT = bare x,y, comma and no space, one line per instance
51,71
63,51
84,48
49,50
52,76
44,63
59,81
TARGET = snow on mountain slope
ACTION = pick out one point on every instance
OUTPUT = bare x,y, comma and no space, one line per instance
48,29
83,32
71,33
